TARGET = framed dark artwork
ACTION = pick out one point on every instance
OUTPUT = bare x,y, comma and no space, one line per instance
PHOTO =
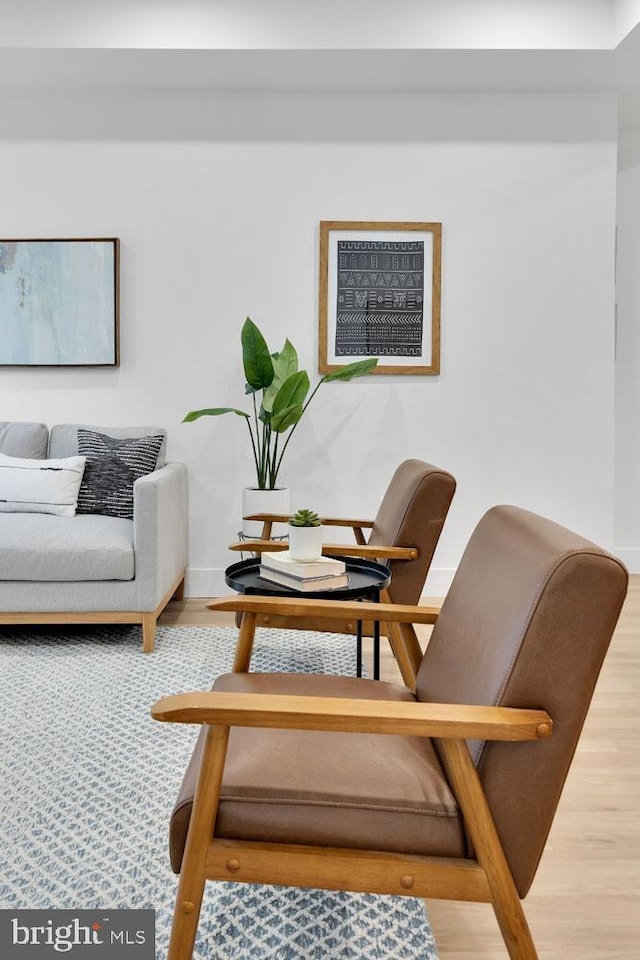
59,302
380,295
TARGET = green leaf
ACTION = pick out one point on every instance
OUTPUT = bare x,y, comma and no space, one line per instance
358,369
212,412
258,366
285,364
286,418
292,392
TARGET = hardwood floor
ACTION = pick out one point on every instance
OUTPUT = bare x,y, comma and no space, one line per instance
585,901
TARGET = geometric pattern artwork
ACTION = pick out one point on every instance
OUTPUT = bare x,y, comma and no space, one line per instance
380,298
88,783
113,465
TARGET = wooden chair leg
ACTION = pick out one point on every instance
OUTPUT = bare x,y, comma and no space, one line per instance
406,649
488,849
149,623
244,647
203,815
404,646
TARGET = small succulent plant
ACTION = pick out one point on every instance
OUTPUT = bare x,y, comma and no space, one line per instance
305,518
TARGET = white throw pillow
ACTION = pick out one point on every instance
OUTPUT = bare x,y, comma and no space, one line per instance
40,486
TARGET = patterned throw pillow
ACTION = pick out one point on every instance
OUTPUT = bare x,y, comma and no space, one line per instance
113,465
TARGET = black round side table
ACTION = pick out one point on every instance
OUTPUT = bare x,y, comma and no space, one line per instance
366,580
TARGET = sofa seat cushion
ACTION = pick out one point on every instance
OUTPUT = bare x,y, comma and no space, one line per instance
321,788
43,547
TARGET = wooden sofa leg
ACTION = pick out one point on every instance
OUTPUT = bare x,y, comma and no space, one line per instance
179,591
148,632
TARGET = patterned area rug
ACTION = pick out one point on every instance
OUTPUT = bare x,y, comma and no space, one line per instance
88,781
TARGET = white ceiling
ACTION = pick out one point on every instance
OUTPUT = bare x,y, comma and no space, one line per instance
319,24
182,46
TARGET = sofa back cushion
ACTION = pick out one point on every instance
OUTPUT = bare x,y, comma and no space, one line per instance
24,439
63,438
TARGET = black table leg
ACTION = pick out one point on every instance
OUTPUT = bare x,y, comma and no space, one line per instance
376,650
359,649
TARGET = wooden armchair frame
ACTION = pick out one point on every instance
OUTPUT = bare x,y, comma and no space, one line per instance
404,644
526,622
359,549
256,610
485,877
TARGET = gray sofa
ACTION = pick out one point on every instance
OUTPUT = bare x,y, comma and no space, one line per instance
91,568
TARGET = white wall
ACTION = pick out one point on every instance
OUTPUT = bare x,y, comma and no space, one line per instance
225,225
627,520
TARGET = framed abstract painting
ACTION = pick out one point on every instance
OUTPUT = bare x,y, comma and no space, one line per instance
59,302
380,295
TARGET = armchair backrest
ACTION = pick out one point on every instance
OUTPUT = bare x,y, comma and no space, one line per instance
526,623
412,514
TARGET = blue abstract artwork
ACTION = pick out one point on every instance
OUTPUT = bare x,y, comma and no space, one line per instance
59,302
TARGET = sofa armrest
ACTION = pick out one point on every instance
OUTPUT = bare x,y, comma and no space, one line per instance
159,532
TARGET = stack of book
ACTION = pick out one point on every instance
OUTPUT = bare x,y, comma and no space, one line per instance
325,573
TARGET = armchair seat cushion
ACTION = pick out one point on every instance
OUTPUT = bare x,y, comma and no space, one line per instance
42,547
333,789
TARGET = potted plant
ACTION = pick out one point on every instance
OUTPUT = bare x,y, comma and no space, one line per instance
280,396
305,535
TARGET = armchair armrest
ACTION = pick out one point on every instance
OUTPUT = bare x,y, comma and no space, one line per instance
327,609
335,549
326,521
269,519
379,551
442,720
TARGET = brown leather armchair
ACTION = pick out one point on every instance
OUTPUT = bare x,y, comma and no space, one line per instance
404,534
448,792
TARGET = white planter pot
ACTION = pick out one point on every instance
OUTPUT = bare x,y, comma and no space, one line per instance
264,501
305,543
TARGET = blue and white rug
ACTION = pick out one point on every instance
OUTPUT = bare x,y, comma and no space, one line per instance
88,781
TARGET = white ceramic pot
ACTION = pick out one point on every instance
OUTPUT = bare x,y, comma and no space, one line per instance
305,543
264,501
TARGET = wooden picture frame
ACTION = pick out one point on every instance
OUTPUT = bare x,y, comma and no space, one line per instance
59,302
380,295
